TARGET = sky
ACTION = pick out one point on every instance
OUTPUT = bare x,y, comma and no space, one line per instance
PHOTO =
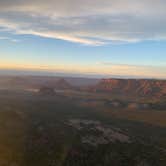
115,38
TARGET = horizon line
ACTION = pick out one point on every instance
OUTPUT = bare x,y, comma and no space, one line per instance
36,72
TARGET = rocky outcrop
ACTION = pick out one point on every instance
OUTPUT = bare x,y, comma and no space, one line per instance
140,87
46,91
62,84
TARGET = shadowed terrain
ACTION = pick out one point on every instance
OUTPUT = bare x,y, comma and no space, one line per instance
51,125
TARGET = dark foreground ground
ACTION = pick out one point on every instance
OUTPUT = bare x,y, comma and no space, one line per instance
56,130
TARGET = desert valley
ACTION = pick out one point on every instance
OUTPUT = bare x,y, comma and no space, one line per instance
73,121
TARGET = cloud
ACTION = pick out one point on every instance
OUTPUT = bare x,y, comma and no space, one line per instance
9,39
128,65
153,71
94,22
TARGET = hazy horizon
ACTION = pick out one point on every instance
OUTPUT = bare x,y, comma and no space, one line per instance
21,73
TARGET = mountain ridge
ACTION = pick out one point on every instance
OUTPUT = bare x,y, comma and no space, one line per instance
140,87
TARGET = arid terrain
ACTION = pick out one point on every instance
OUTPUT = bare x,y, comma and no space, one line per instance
53,121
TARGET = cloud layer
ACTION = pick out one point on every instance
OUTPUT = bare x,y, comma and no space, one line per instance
92,22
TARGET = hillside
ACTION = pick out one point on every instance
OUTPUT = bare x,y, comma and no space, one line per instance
23,82
138,87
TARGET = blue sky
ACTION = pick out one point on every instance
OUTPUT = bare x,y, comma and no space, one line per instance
109,38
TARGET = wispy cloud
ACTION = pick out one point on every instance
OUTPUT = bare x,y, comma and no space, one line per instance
152,71
130,65
9,39
100,68
88,22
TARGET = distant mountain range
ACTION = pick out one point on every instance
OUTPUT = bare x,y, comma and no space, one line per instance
23,82
139,87
133,87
